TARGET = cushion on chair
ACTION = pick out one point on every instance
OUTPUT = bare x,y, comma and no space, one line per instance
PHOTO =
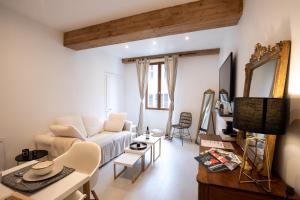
66,131
75,121
93,125
115,122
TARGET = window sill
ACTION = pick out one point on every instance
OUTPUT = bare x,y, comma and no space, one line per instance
161,109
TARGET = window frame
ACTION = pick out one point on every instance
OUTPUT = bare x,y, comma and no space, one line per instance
158,89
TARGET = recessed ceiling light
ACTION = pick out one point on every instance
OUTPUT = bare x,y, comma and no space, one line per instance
186,37
154,42
126,47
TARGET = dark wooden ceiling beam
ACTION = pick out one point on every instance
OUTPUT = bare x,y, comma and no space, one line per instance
202,52
194,16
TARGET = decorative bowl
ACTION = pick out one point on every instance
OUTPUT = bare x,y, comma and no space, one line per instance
42,168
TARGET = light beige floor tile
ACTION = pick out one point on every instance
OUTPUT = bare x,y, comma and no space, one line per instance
171,177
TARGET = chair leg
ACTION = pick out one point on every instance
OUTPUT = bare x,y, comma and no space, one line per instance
95,195
181,136
190,134
172,133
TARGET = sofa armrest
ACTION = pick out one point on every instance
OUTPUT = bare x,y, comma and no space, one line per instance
128,126
54,145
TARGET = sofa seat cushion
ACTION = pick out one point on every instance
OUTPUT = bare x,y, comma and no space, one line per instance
112,144
121,141
106,144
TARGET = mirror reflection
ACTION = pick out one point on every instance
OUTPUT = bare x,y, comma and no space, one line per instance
261,86
224,96
205,112
263,80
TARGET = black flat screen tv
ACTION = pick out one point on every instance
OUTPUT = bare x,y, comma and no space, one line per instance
227,79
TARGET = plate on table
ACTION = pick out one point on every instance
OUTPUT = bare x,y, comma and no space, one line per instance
138,146
31,176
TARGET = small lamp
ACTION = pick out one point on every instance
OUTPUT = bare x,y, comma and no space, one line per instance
259,115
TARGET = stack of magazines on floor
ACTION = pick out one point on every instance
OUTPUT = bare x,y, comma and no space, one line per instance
217,160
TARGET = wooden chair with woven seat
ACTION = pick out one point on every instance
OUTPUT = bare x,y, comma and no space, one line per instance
185,122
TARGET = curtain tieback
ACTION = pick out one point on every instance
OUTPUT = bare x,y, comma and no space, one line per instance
171,106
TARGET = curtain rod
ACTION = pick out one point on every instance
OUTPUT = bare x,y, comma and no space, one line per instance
202,52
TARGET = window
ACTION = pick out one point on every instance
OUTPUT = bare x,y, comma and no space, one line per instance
157,97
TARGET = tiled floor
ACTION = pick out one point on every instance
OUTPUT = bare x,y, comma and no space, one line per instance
171,177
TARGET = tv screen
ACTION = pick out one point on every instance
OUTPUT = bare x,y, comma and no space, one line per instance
226,80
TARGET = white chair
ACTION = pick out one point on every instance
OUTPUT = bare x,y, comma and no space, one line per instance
85,157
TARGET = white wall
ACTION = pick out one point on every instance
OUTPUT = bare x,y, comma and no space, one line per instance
268,22
40,79
194,76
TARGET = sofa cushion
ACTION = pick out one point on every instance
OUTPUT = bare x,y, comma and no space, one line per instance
93,125
106,144
112,144
65,131
115,122
75,121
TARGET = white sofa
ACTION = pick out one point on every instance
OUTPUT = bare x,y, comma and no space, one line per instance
112,144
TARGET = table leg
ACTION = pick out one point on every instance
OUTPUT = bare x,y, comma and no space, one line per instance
116,175
143,163
154,153
87,190
159,152
134,178
150,159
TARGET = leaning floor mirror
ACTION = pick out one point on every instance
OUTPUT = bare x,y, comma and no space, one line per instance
205,113
265,77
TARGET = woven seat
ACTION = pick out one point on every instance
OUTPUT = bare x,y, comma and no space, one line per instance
185,122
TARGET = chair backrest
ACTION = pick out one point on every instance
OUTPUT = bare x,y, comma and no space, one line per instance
85,157
185,119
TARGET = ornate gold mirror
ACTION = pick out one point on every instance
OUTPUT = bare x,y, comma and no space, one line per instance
205,113
266,75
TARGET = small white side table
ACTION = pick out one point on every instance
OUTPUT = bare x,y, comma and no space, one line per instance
141,153
151,141
127,160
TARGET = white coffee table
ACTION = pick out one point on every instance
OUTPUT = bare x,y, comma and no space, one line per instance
152,142
127,160
141,153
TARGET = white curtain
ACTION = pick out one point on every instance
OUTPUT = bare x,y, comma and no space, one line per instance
142,73
171,64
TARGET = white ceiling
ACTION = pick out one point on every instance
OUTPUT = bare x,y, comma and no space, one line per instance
207,39
66,15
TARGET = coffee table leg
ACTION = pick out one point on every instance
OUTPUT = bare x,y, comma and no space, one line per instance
116,175
154,152
114,171
143,163
134,178
159,152
150,162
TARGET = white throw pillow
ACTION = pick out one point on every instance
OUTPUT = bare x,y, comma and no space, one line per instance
75,121
115,122
93,125
65,131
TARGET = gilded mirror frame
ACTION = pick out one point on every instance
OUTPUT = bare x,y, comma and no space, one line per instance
211,92
262,55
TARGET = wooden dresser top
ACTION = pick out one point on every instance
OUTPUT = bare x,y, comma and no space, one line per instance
230,179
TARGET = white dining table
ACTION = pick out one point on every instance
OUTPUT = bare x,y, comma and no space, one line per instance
56,191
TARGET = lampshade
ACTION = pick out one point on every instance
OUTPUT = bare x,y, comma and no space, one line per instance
260,115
